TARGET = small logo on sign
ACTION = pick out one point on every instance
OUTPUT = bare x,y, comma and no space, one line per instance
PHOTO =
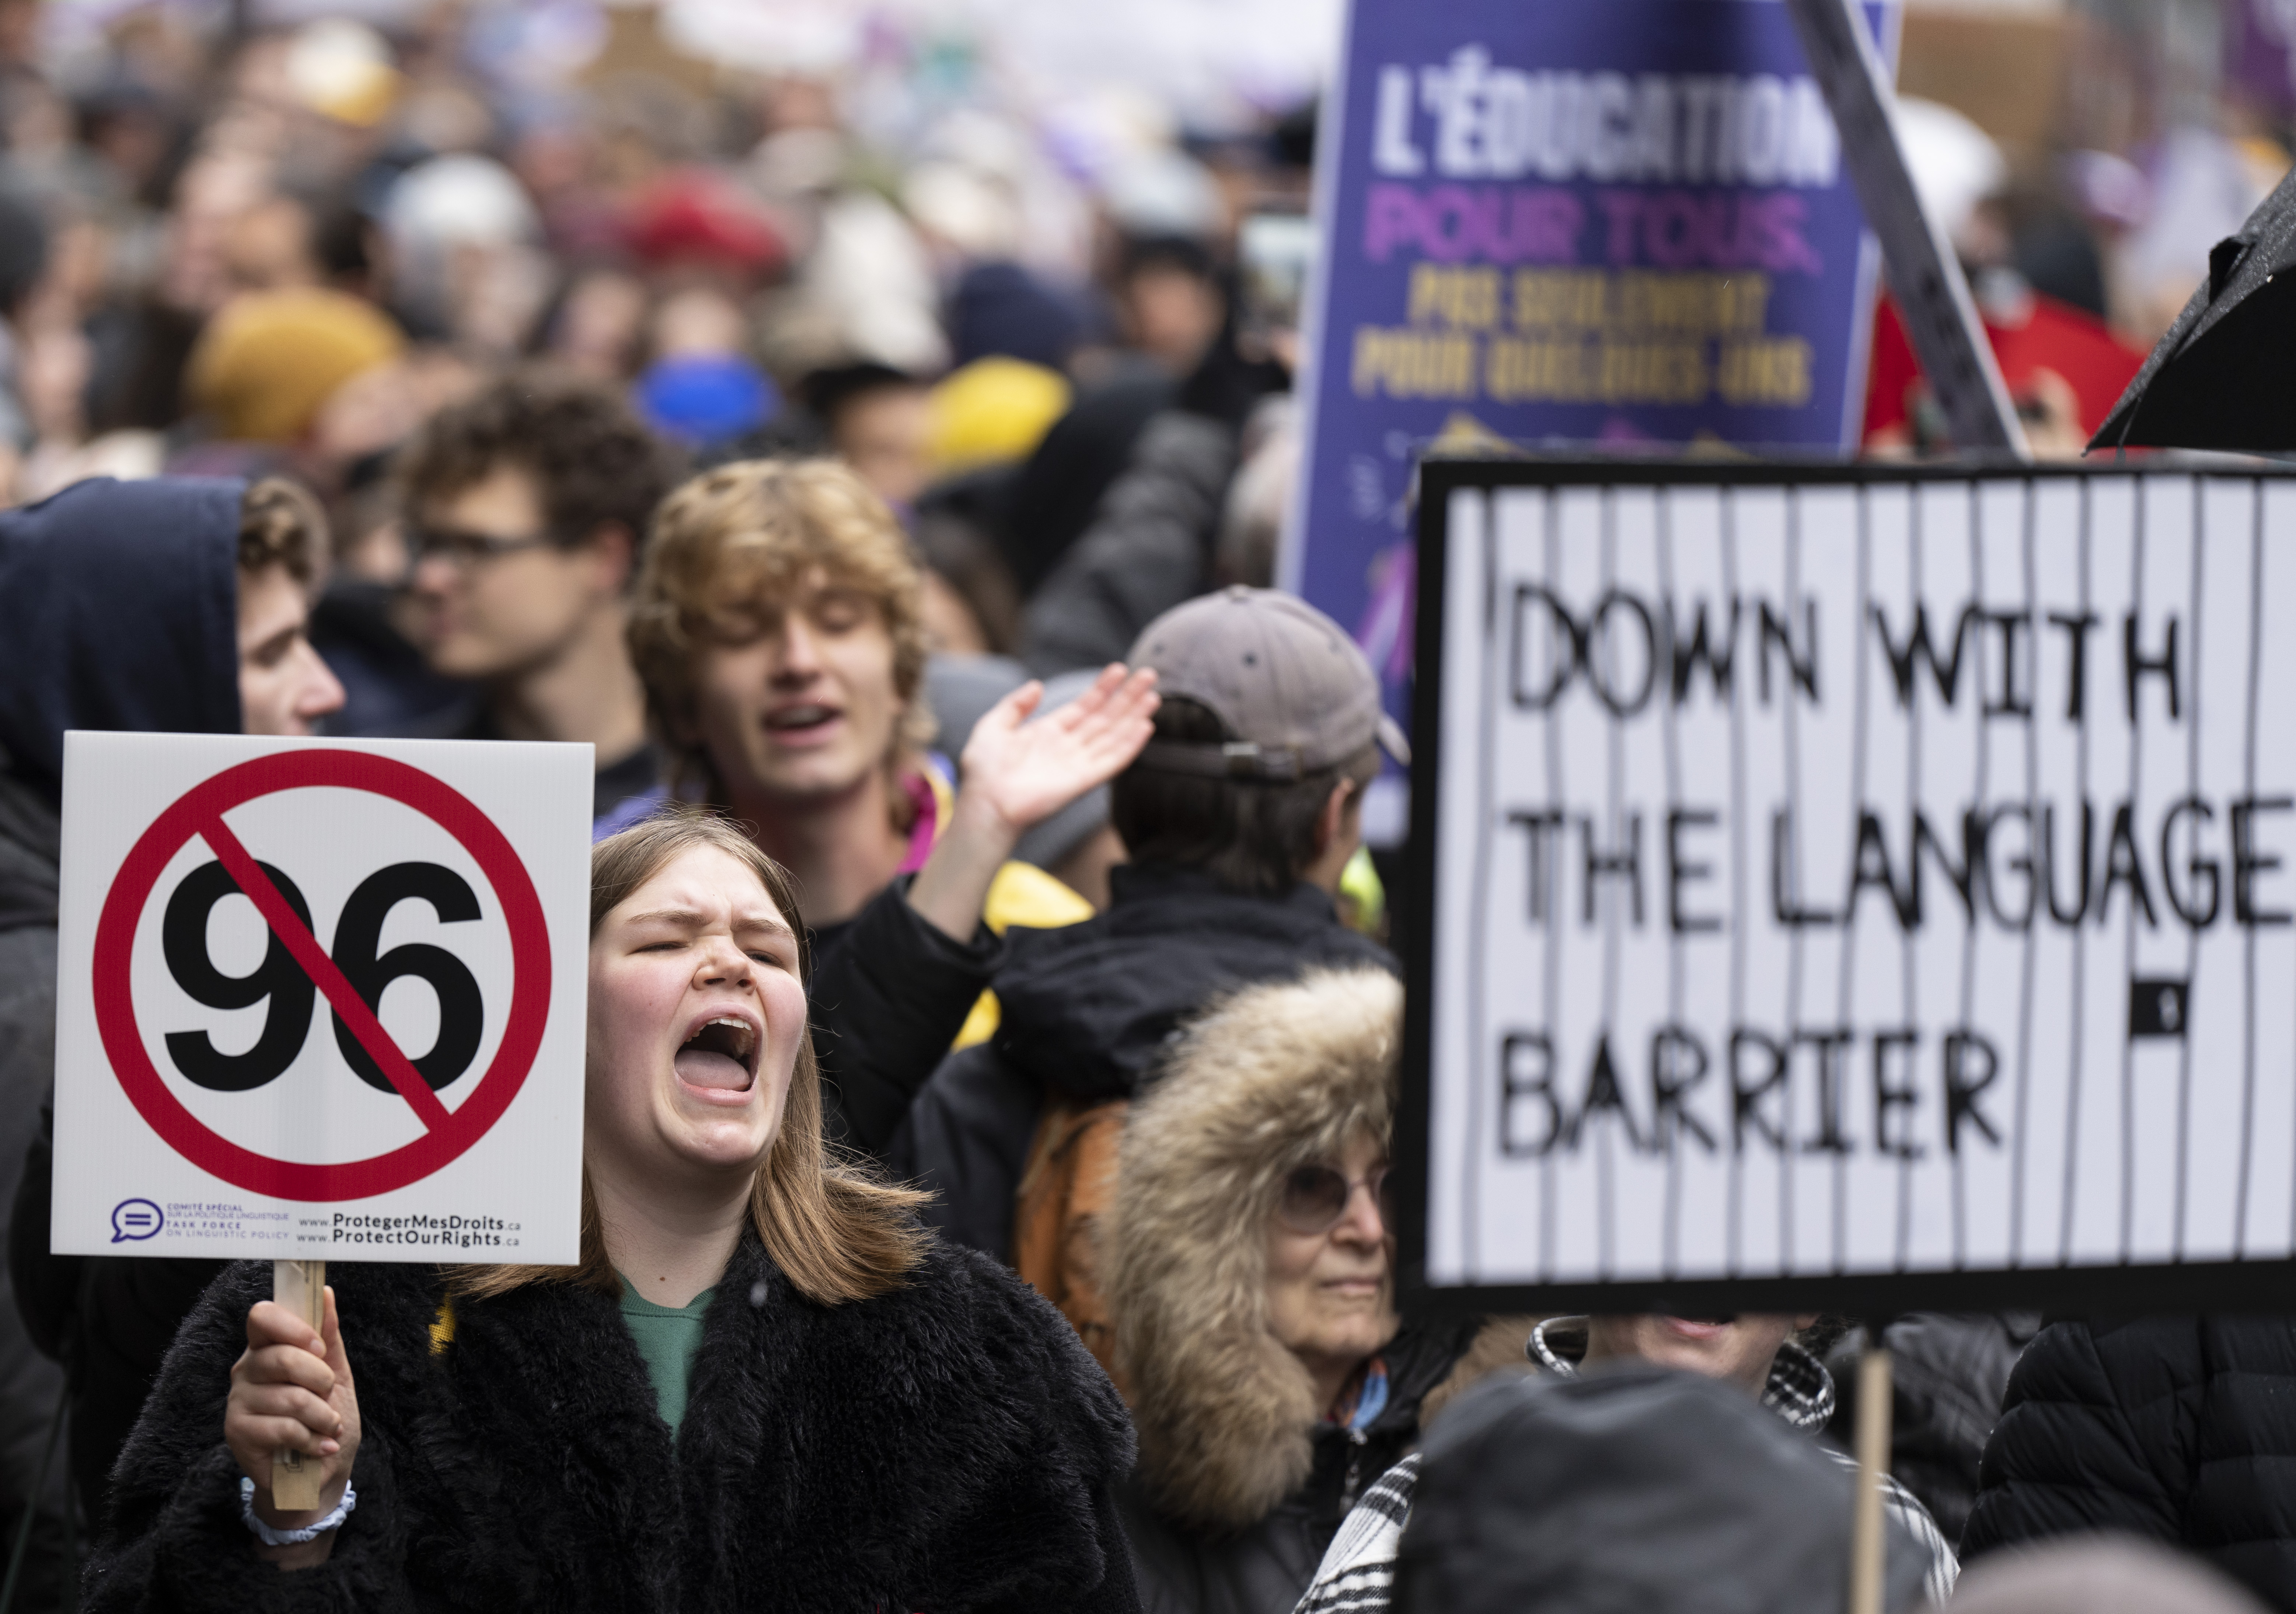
2159,1008
135,1219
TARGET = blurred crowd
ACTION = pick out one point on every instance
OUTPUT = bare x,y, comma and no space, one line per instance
248,250
2082,158
771,433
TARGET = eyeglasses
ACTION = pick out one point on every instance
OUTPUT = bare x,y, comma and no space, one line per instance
463,550
1316,1197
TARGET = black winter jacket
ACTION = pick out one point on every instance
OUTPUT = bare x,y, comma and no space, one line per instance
1086,1012
31,1384
110,1318
947,1446
1264,1569
1150,544
2182,1430
888,992
1148,549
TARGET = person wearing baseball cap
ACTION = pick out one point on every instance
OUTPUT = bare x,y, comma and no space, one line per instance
1293,695
1238,817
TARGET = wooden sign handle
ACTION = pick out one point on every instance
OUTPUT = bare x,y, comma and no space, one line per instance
1866,1539
300,1286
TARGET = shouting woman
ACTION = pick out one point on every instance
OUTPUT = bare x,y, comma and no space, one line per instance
761,1389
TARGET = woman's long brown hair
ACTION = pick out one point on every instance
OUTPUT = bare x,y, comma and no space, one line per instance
834,1230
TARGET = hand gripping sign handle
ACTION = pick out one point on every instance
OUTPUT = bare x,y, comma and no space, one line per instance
301,1287
1866,1537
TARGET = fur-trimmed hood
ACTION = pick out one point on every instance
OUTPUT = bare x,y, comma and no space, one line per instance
1272,1079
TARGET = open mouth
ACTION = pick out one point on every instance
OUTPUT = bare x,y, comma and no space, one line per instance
795,722
718,1055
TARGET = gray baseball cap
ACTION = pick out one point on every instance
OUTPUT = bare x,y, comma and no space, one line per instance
1287,681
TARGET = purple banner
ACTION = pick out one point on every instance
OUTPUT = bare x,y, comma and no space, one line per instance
1625,223
2259,39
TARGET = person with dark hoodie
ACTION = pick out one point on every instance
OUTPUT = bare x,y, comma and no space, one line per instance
1239,817
1250,1277
177,606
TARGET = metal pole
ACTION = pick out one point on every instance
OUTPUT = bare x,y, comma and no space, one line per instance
1940,316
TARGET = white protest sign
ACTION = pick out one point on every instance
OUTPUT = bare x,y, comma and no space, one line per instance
1837,874
321,999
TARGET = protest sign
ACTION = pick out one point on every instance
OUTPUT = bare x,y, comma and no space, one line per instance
1630,222
321,999
1854,888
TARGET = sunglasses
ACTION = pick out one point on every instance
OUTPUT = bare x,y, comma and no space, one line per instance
1316,1197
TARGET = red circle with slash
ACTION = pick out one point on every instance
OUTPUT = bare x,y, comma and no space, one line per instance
446,1134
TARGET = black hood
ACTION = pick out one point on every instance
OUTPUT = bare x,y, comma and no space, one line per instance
119,610
1087,1010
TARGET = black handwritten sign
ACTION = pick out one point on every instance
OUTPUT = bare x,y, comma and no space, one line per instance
1839,888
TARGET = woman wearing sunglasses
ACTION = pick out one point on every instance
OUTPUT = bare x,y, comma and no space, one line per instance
761,1389
1249,1273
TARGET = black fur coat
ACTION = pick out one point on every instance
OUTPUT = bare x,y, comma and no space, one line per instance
948,1446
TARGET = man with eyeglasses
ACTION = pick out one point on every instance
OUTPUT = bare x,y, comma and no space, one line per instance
526,509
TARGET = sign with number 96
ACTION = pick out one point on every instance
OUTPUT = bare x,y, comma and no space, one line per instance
220,896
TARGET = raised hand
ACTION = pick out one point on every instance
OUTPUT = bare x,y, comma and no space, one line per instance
293,1387
1020,772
